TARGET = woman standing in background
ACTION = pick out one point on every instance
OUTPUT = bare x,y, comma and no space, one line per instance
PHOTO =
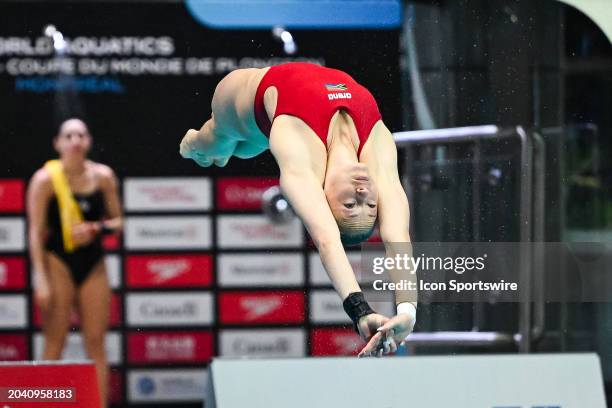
71,203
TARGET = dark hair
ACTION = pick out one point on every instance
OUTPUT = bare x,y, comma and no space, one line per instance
61,123
350,238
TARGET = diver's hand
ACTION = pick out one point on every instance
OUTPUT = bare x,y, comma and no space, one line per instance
368,326
395,331
389,336
84,233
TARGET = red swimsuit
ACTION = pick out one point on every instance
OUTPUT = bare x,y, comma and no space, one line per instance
314,94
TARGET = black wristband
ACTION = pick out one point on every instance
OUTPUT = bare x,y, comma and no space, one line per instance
356,307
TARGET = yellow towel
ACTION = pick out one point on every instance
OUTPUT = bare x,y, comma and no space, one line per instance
69,210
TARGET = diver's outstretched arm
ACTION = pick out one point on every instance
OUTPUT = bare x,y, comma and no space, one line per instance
380,155
302,186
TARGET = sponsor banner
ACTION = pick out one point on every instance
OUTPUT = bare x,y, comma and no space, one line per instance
262,343
326,307
178,232
115,386
256,231
14,347
114,316
12,234
261,307
318,275
75,350
167,385
113,270
242,193
167,194
11,195
331,341
262,269
186,347
12,272
169,309
13,312
149,271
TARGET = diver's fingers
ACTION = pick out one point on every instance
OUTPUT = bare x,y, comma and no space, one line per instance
203,161
371,346
393,346
221,162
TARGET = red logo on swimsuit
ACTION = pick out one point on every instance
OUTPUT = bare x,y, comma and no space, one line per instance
12,273
11,196
144,271
261,307
335,342
13,347
170,347
242,193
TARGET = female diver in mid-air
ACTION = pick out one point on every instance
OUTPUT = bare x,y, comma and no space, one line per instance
338,170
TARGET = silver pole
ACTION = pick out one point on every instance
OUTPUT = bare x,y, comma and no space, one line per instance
460,339
525,236
459,134
539,194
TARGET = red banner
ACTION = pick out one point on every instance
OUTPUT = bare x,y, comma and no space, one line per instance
335,342
11,195
148,271
242,193
14,347
49,385
12,272
261,307
170,347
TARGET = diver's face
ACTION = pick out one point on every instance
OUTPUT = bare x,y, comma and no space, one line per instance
73,139
351,195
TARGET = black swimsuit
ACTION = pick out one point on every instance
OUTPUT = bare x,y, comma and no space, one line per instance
83,259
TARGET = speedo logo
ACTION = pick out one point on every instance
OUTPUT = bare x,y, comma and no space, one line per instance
339,95
260,307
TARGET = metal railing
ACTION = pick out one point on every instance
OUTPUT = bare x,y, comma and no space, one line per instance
531,228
